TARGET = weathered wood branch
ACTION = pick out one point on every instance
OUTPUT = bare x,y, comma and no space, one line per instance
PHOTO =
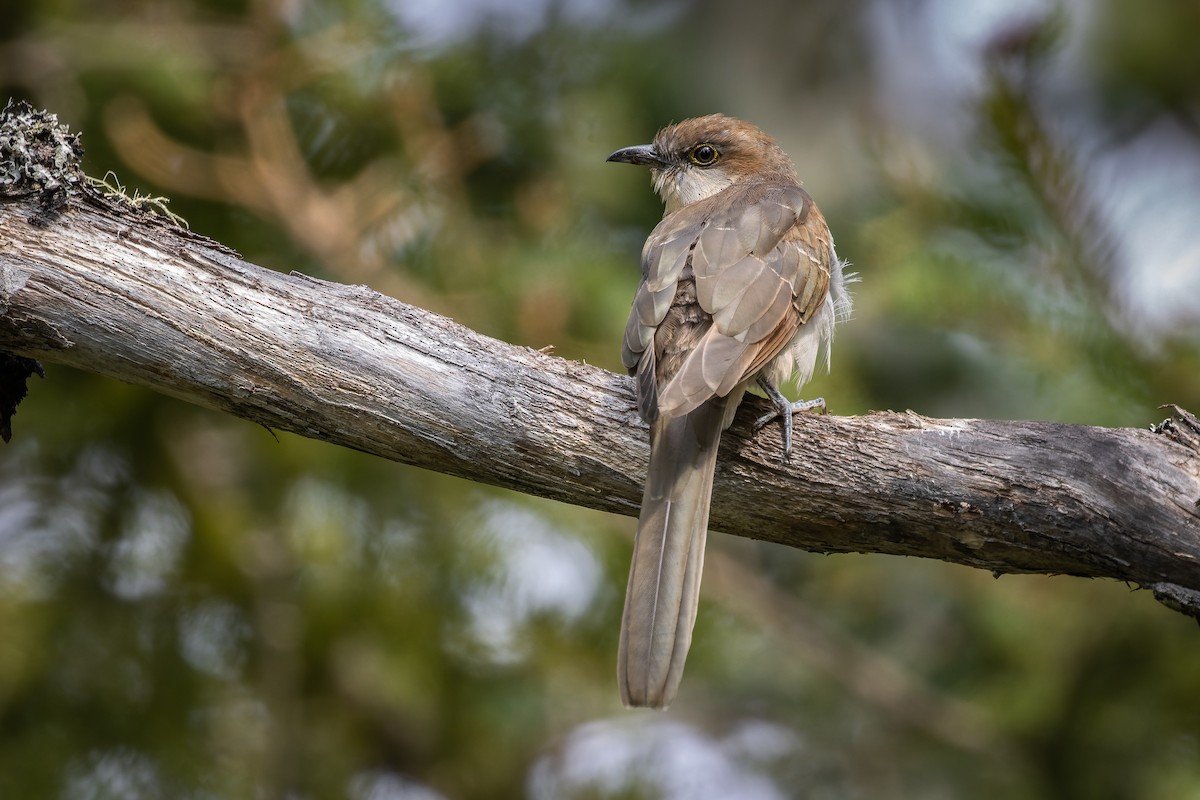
97,285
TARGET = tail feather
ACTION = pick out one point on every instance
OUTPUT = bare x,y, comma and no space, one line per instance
668,559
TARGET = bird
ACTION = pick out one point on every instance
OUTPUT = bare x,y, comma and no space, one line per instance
740,286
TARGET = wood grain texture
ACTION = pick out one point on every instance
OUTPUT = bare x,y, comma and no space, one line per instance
114,291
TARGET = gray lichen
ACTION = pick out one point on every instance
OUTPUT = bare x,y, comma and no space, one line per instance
39,156
37,153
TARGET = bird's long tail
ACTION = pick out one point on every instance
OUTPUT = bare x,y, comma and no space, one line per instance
668,556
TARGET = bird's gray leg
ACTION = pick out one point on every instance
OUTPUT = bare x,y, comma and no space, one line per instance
785,409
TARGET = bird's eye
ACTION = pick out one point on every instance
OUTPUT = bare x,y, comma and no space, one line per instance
704,155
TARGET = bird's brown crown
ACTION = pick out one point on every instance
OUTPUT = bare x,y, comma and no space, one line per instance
716,142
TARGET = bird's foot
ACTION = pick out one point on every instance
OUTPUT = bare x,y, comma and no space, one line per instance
784,409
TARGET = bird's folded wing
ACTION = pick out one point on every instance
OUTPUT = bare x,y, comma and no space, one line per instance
754,276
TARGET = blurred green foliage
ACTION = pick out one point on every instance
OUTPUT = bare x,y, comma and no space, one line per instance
192,608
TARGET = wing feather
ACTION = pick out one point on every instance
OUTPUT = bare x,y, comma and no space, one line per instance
743,257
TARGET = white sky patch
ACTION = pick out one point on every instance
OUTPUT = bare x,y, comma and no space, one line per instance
672,760
213,637
381,785
437,23
117,772
927,57
1151,197
143,561
46,522
539,571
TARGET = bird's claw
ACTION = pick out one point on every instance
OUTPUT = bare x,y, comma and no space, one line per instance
816,404
784,410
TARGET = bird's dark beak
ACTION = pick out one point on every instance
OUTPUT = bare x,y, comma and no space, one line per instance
642,154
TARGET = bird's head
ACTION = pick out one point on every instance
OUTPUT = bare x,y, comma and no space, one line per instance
694,159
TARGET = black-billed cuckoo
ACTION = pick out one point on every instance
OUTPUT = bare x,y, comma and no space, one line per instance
740,285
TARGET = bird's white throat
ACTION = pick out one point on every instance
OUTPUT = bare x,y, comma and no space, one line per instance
681,186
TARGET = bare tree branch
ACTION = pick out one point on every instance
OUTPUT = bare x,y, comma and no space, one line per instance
101,286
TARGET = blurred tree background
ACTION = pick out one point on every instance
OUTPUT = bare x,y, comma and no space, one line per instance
192,608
